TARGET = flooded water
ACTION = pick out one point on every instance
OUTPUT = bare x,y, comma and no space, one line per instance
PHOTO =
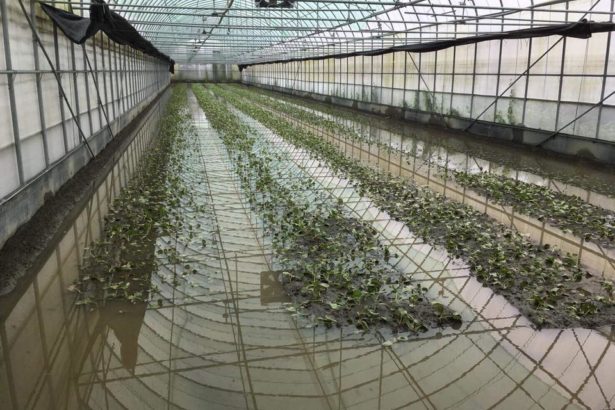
458,151
222,339
427,163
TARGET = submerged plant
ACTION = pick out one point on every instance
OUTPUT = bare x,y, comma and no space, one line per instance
332,265
549,287
120,264
569,212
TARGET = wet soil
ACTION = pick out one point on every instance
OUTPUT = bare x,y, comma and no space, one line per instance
582,172
363,289
333,266
567,212
534,281
31,245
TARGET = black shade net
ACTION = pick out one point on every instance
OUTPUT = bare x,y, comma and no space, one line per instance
78,29
580,29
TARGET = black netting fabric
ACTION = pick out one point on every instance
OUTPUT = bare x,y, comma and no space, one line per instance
117,28
580,29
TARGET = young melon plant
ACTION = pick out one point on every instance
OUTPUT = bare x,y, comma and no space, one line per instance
120,264
333,266
348,119
551,289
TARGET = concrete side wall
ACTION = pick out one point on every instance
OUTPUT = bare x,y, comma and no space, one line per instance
41,146
543,84
206,72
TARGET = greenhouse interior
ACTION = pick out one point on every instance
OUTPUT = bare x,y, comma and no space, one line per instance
324,204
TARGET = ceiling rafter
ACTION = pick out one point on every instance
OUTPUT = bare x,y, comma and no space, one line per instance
236,31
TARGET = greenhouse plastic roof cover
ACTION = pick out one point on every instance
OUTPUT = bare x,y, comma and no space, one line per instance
253,31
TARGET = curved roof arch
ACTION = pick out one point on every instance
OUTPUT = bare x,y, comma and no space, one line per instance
239,32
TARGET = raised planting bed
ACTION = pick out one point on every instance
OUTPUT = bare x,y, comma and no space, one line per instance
567,212
544,166
120,264
549,288
333,266
434,173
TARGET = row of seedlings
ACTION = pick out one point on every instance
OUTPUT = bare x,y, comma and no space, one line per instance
567,212
550,289
119,266
333,266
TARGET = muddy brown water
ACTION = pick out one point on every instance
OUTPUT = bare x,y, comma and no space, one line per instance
468,152
223,338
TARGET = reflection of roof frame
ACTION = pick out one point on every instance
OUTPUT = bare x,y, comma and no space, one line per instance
493,339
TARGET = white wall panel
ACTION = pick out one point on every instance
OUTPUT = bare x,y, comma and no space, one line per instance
38,107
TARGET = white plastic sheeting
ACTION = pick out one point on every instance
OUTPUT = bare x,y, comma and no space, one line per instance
490,81
38,129
553,84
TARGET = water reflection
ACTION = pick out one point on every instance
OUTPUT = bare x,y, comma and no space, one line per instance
429,165
125,320
457,151
223,339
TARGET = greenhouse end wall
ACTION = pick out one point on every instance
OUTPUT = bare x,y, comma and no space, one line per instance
206,73
41,146
543,84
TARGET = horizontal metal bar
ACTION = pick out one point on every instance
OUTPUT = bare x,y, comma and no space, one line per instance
120,8
127,13
101,71
301,8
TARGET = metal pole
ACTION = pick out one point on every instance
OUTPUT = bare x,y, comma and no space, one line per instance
11,86
39,92
38,39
